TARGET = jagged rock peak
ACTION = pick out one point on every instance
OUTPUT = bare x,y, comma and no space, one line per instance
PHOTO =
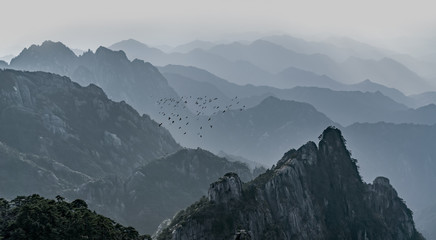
226,189
381,185
382,181
49,47
312,193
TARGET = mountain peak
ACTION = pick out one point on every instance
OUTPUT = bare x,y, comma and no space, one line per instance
49,56
312,193
50,48
270,100
332,134
103,51
382,181
130,42
226,189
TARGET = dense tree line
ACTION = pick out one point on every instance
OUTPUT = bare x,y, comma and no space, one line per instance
34,217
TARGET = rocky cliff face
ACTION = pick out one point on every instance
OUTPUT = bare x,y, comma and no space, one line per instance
314,192
78,127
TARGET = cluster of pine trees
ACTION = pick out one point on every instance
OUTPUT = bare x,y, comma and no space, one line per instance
34,217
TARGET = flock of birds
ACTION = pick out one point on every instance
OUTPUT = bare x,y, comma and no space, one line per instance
188,112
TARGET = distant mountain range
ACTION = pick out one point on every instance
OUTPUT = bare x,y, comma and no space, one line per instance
197,44
259,62
339,49
344,106
145,84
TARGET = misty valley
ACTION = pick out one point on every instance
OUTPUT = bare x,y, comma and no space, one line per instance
274,138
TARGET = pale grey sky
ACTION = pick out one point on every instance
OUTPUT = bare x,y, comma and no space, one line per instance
88,24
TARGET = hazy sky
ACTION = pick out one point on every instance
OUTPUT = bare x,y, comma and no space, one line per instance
88,24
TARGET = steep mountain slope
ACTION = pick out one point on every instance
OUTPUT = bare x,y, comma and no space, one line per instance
312,193
79,127
25,174
138,83
158,190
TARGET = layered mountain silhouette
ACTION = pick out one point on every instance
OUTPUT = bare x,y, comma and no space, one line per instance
293,77
259,62
314,192
138,83
274,58
343,106
385,71
74,140
145,85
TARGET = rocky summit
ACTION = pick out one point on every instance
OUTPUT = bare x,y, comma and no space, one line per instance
314,192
